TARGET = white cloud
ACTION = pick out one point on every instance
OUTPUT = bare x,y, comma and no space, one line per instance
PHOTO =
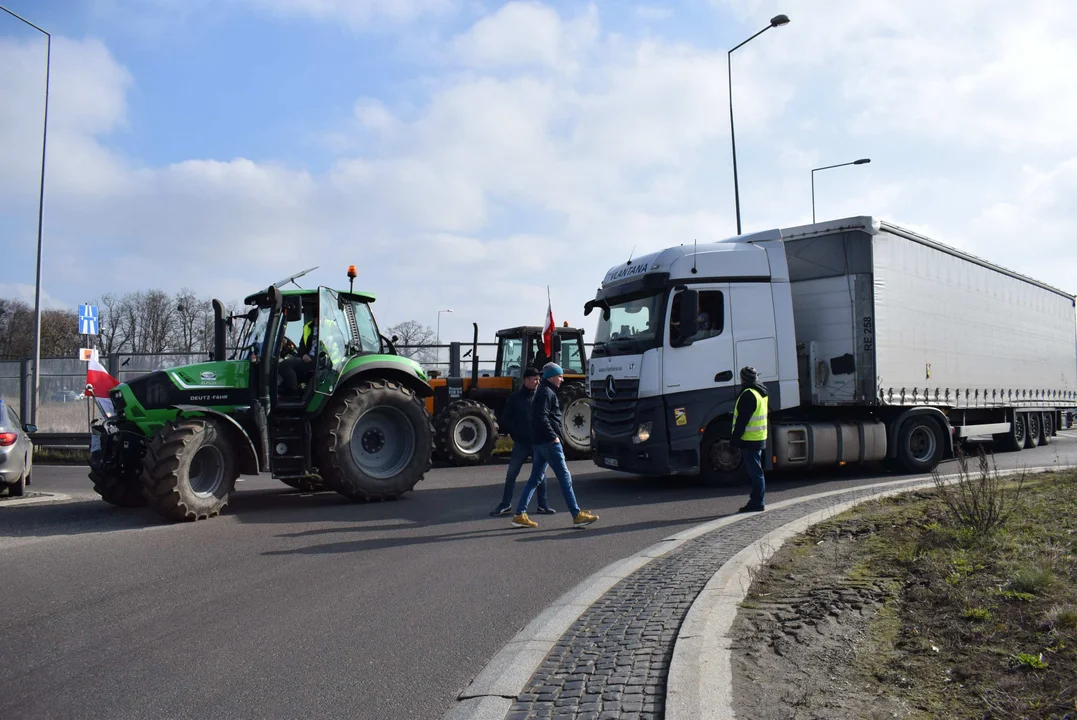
25,293
358,13
548,149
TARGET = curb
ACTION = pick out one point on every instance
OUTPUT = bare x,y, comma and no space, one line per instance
699,685
505,675
23,502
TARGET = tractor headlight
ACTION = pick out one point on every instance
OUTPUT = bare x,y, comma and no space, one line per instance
643,433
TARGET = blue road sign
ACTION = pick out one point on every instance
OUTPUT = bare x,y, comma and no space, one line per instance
87,319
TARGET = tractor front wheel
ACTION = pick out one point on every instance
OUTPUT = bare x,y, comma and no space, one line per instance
375,443
576,421
466,433
189,470
119,490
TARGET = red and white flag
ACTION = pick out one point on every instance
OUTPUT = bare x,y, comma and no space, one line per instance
102,382
547,331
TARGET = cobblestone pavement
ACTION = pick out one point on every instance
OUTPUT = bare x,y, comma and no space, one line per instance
614,660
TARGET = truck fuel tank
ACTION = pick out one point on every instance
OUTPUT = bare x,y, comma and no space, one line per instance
817,444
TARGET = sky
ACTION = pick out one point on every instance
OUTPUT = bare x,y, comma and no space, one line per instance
468,155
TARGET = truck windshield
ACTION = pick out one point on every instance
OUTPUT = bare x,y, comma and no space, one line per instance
634,326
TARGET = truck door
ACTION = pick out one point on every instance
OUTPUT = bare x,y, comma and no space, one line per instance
705,361
753,329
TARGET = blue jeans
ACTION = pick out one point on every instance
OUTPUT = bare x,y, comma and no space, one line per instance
753,464
520,451
553,455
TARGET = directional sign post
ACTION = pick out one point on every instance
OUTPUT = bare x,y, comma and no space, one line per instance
87,319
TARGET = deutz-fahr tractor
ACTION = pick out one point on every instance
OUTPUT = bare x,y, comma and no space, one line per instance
351,419
467,409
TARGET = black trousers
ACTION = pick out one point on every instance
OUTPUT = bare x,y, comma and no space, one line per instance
292,368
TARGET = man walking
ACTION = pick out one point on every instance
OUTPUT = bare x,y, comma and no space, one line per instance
750,433
516,419
546,444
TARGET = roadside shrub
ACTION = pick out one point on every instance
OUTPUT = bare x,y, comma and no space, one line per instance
1026,661
1032,580
979,501
978,614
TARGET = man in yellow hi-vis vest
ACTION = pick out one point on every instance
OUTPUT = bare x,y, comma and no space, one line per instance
301,366
750,433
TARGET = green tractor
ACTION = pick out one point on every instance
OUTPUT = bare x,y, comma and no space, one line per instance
350,418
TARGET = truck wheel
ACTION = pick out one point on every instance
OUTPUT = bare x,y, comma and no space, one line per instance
118,490
1014,440
1047,425
375,442
720,463
466,433
312,483
576,421
920,444
189,470
1035,430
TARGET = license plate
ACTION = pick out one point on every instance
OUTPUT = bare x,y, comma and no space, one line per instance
612,462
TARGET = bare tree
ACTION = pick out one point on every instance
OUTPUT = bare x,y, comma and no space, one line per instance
416,341
189,327
111,335
59,331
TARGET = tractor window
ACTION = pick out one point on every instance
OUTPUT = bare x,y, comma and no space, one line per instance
369,338
512,357
334,333
571,362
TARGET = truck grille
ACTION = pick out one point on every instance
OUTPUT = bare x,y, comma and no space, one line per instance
612,419
623,390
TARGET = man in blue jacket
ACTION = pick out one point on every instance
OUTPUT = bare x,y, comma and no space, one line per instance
546,444
516,419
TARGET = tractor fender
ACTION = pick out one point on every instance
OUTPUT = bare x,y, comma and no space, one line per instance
247,457
894,427
395,372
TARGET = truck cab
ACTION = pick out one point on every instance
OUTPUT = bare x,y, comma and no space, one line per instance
674,330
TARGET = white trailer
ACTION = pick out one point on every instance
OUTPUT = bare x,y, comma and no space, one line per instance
875,343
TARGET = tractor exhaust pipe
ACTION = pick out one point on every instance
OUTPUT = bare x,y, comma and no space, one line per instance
218,330
475,358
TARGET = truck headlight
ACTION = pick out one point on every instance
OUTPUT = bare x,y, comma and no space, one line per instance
643,433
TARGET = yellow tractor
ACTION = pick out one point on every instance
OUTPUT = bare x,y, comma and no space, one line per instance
466,410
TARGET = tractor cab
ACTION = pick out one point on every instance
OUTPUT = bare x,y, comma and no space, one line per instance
522,347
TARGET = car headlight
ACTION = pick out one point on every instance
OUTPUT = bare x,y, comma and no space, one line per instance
643,433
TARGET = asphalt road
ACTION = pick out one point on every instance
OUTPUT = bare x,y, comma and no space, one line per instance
298,605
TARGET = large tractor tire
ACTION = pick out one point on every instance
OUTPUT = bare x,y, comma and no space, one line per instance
189,470
312,483
466,433
575,421
119,490
375,442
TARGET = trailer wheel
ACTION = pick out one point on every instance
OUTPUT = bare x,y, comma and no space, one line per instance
1014,440
1048,425
920,444
1032,421
466,433
720,463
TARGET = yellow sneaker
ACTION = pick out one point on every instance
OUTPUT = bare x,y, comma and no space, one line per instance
522,520
584,518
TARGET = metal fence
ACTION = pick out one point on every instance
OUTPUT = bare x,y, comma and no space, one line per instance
63,407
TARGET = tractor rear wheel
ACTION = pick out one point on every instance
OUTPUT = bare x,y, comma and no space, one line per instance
312,483
189,470
465,433
575,420
118,490
375,443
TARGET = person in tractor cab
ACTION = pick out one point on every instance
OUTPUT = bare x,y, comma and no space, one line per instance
546,434
516,419
302,364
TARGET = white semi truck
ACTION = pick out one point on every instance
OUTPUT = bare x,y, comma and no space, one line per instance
875,344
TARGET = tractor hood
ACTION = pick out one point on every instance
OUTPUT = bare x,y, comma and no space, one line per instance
210,384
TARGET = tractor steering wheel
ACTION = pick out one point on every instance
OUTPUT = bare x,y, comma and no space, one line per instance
288,348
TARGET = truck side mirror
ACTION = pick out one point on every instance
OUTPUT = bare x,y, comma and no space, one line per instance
689,313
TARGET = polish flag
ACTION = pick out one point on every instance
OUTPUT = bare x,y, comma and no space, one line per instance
547,332
102,382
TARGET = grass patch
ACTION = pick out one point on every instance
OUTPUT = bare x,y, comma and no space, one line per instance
982,616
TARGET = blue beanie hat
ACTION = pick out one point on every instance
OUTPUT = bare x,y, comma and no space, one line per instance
552,370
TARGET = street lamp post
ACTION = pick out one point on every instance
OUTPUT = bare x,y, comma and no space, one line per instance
776,21
861,161
40,213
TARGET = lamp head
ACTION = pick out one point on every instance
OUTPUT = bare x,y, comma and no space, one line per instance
862,161
779,20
